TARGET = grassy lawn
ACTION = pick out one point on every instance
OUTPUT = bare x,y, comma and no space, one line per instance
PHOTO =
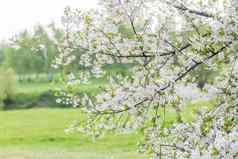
65,154
39,133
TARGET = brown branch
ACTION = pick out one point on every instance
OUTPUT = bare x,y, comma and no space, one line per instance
179,50
199,13
173,146
128,56
123,110
195,65
147,56
200,62
174,51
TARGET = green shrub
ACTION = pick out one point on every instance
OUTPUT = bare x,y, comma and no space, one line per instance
8,81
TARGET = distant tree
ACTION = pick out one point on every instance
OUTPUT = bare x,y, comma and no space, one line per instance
33,52
8,81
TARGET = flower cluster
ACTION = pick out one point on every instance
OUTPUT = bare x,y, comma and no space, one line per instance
171,44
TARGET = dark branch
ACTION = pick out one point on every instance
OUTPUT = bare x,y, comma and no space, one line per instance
200,62
199,13
174,51
195,65
123,110
128,56
173,146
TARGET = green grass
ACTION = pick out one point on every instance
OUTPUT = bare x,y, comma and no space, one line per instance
39,133
65,154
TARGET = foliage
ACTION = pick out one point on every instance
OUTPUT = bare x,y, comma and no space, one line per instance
168,57
32,52
7,85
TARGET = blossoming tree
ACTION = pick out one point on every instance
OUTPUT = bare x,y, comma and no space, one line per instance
168,41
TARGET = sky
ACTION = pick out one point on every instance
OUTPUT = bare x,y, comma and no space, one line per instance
17,15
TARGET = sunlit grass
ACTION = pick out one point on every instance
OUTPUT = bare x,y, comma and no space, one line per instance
39,133
43,129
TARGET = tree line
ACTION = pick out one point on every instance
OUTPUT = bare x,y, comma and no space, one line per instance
31,52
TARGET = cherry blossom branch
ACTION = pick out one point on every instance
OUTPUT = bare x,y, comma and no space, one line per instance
195,65
180,77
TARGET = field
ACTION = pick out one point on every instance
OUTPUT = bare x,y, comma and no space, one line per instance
38,133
